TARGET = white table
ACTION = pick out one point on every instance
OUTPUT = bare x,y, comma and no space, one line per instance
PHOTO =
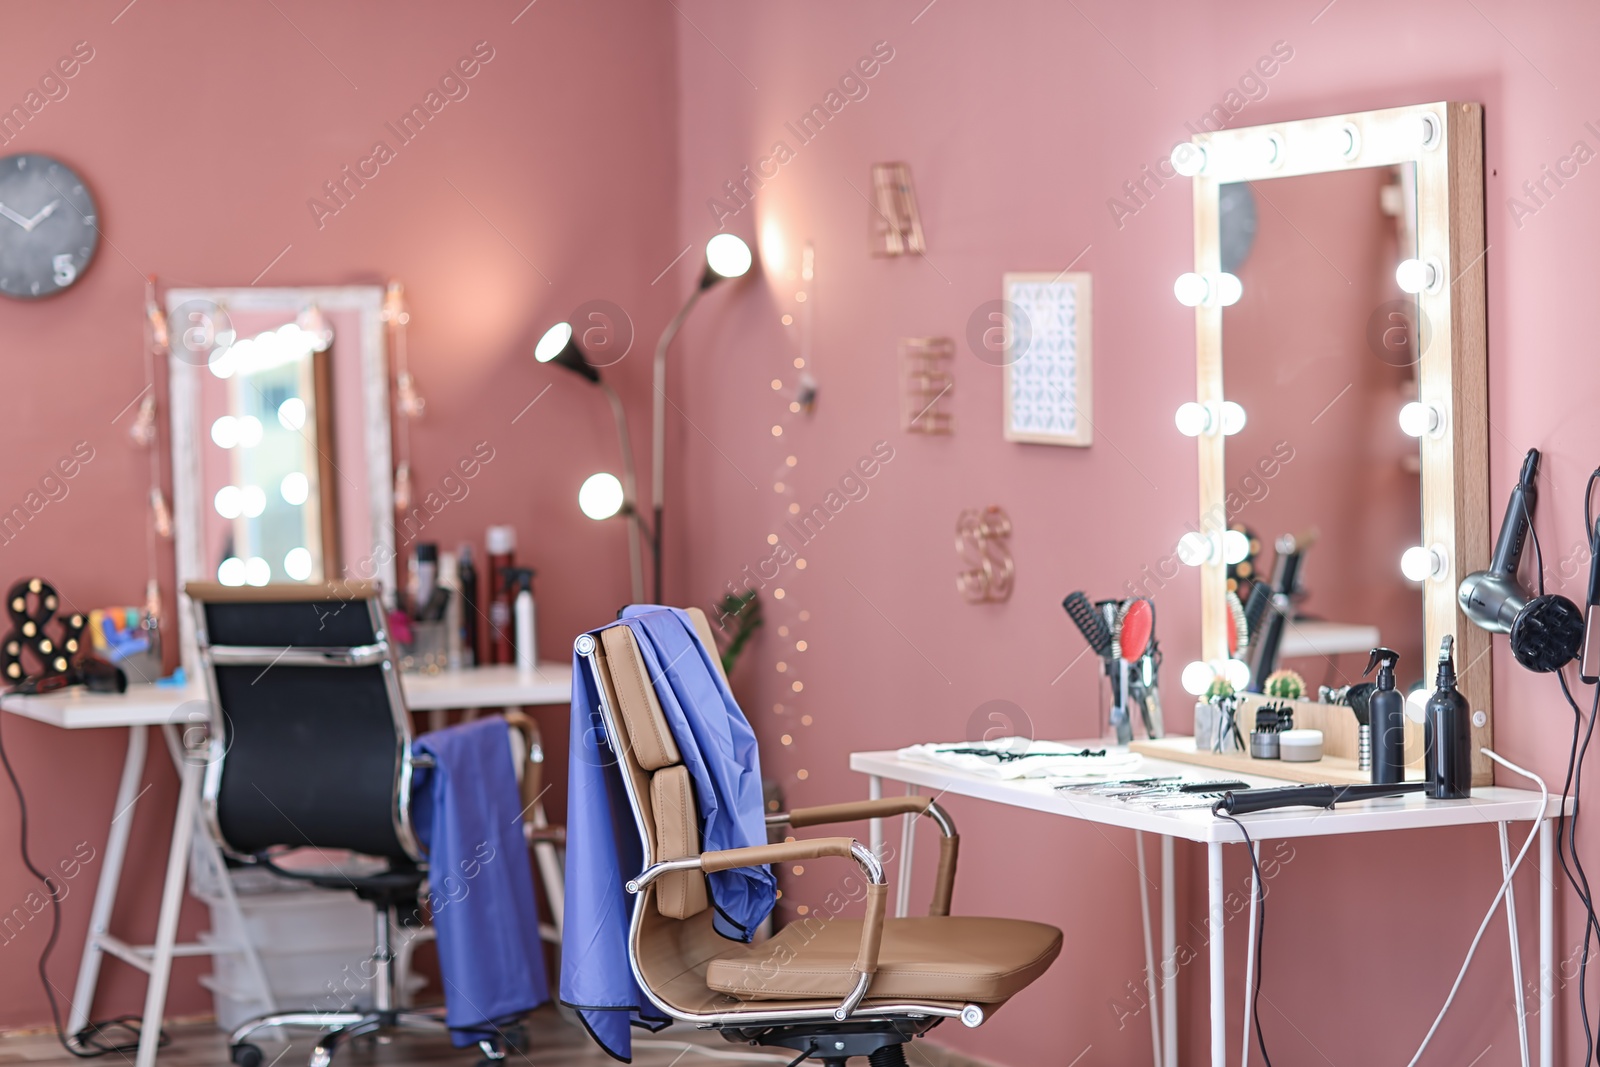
1488,806
144,706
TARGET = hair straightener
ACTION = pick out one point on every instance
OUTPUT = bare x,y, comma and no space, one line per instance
1310,796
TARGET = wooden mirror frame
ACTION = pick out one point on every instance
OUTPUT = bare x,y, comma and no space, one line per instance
1445,141
370,348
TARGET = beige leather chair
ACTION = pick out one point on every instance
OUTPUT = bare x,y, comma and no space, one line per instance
830,988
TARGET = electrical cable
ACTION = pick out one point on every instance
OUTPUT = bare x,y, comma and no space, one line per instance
1572,787
1260,897
1581,886
1544,802
91,1036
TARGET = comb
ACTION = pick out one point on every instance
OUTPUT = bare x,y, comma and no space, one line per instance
1089,623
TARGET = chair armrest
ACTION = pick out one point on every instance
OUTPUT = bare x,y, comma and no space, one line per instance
949,843
866,964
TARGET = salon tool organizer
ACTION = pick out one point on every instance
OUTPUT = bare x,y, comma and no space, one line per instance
1341,740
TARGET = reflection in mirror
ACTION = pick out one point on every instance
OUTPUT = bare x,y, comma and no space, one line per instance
268,488
1320,354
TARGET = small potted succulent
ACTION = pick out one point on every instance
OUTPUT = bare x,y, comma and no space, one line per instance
1286,685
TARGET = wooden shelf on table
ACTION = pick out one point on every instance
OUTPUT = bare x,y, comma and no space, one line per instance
1337,770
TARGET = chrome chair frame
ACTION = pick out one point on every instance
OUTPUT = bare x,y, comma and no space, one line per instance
849,1010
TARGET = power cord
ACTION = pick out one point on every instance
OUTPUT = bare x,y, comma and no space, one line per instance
92,1039
1260,933
1567,827
1544,801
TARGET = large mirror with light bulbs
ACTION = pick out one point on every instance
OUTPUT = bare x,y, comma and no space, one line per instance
280,437
1340,410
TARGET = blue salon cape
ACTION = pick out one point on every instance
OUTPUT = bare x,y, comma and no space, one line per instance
467,813
603,850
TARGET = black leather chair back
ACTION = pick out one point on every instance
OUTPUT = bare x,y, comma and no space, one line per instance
312,743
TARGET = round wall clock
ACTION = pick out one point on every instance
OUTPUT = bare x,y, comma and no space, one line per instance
49,226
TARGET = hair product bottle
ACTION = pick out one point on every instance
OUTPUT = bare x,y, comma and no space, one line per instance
1449,732
501,541
1387,716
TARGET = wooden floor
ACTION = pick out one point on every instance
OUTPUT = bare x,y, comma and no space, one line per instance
555,1041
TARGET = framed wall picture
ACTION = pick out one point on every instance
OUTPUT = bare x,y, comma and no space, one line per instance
1048,359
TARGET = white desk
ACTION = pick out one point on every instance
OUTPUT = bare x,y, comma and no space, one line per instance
144,706
1488,806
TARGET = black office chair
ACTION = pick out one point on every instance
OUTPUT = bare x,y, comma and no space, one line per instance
311,748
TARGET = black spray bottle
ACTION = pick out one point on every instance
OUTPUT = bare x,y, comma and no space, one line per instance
1387,715
1449,732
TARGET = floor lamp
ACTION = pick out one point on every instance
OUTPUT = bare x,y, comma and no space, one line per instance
601,495
726,257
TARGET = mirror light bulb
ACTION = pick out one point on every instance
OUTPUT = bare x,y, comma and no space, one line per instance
295,488
229,503
249,431
600,496
252,501
553,341
1233,418
1190,289
1197,678
292,414
257,571
225,432
1345,141
1194,548
1189,159
728,255
1192,419
1237,672
231,571
1228,289
1414,275
297,563
1417,419
1419,564
1235,547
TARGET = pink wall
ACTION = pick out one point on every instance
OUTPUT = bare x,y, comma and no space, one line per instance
203,135
203,132
1020,121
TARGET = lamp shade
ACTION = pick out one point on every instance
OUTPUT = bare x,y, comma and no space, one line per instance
557,346
727,256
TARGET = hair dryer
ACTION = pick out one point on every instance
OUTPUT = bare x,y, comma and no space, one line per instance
1493,598
1546,631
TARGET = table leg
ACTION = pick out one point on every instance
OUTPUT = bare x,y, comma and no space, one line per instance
105,893
875,826
155,1000
908,841
1547,944
1215,917
1169,958
1149,951
1520,1003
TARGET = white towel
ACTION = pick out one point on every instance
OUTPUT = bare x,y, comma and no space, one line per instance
1028,758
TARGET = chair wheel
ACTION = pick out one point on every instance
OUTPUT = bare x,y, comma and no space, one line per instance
245,1055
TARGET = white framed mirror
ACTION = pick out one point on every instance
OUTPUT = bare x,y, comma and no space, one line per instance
1358,282
281,465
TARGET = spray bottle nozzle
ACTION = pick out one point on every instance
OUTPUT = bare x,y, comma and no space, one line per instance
1383,660
1446,678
